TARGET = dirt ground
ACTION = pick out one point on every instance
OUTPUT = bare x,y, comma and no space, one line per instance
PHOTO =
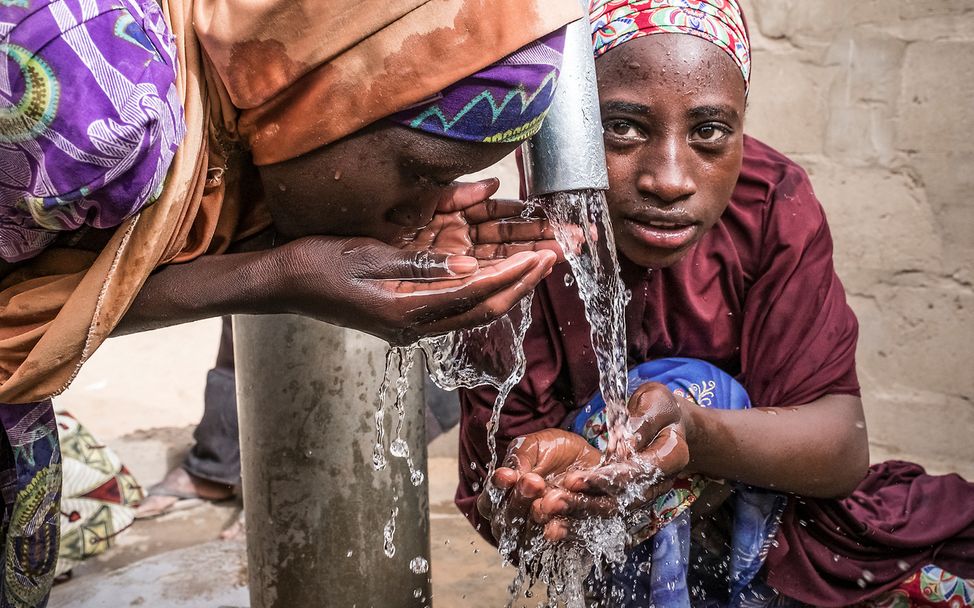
142,395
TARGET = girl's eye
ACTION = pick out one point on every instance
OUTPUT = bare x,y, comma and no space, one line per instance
709,134
621,129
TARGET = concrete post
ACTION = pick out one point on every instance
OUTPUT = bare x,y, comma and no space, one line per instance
315,506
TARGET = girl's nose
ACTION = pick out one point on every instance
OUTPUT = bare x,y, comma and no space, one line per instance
666,173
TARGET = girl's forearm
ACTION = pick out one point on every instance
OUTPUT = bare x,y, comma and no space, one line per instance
818,449
210,286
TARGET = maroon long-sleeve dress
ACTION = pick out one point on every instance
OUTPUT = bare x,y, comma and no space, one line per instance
758,297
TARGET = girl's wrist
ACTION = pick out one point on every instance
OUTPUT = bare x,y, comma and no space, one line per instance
694,425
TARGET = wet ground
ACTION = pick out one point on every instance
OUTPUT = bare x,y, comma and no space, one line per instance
142,395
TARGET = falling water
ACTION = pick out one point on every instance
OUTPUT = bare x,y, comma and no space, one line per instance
402,359
489,355
591,253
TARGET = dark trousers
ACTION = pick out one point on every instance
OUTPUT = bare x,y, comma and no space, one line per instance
216,453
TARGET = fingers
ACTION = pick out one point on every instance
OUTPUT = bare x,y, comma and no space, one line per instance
461,196
377,260
642,477
513,512
503,238
488,252
495,209
426,265
480,303
561,503
557,530
511,230
459,293
670,451
651,408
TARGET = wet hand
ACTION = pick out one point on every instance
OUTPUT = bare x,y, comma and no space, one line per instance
467,221
529,472
399,294
657,452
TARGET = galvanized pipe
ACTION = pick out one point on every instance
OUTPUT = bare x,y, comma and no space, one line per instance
316,508
568,153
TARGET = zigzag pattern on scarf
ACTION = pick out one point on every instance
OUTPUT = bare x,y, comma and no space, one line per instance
497,109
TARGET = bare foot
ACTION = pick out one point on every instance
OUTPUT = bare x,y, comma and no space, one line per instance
236,530
180,488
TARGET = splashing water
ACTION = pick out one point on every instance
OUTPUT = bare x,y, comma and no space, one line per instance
564,566
402,359
379,460
419,565
489,355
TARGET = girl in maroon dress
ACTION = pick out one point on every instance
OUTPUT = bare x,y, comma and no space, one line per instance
728,257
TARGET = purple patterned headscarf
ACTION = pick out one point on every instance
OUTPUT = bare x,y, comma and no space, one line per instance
504,102
90,117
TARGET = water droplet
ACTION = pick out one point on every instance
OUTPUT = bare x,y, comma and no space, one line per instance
473,466
399,448
349,554
389,533
569,279
416,477
417,593
419,565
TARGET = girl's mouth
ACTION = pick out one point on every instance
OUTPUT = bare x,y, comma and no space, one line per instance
662,234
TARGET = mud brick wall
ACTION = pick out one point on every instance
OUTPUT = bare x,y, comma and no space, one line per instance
876,100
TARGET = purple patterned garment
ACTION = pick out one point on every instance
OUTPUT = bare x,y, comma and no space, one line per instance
504,102
90,117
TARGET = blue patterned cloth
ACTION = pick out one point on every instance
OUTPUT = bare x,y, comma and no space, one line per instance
668,580
504,102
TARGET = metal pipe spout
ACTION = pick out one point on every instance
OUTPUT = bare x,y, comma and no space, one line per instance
568,154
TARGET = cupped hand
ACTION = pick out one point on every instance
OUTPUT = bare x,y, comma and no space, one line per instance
467,221
658,452
398,295
531,469
574,484
470,264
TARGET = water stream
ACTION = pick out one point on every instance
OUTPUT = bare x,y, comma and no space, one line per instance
591,253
